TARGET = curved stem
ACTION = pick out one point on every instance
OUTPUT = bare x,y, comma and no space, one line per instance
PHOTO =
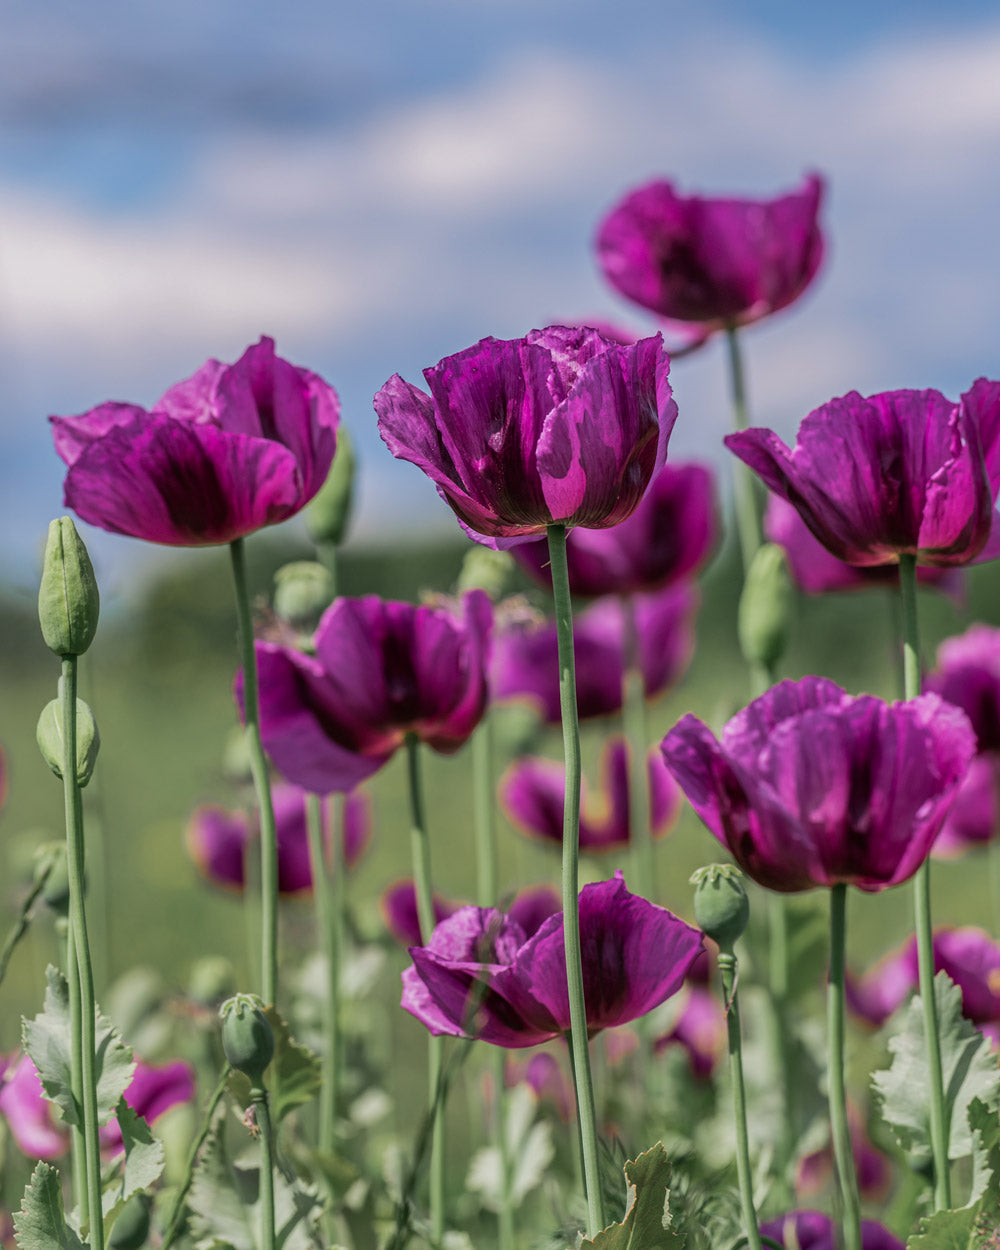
922,909
635,724
328,941
583,1083
261,781
839,1129
728,971
75,859
421,848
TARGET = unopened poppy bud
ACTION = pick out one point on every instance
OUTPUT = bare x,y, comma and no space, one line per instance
131,1228
721,909
766,607
303,590
247,1036
49,736
51,865
68,599
484,569
330,510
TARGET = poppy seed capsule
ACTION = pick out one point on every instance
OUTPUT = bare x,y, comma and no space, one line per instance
303,590
766,607
247,1036
49,736
721,909
68,600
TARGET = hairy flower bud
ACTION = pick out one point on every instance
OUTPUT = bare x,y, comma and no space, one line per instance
247,1036
328,514
721,909
766,607
303,590
51,741
68,600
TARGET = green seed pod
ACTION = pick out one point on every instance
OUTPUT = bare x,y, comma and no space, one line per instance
766,606
131,1228
303,590
721,908
483,569
68,600
51,743
330,510
247,1036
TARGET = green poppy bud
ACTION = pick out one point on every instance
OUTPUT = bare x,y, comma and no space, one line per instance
131,1228
51,861
302,592
721,908
330,510
484,569
68,600
766,606
247,1036
51,742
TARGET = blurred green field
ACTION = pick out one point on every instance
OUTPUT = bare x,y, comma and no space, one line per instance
159,679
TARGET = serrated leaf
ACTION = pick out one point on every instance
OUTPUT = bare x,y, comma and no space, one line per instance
141,1165
646,1225
968,1068
225,1205
41,1223
47,1041
293,1076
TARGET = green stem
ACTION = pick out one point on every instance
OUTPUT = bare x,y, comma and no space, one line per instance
728,972
635,724
261,780
79,1159
922,909
421,848
258,1098
839,1129
747,518
328,931
75,861
582,1081
177,1207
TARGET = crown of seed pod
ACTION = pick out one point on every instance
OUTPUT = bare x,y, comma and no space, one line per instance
247,1036
68,600
721,909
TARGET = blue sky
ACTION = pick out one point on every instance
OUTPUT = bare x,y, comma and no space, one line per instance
380,185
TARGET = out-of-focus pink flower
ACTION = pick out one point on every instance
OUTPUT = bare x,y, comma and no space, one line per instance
154,1089
901,472
529,908
28,1113
220,840
811,1230
816,571
525,661
874,1171
700,1028
717,261
563,426
233,448
531,792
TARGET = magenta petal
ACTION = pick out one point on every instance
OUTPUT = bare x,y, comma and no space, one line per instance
974,818
217,840
811,1230
399,910
153,1091
530,908
29,1113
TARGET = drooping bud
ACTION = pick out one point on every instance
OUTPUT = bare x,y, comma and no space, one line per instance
766,605
328,514
721,908
51,741
247,1036
68,599
303,590
131,1228
485,569
50,865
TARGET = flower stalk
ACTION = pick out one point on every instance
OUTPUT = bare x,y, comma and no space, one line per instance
635,724
326,895
582,1080
839,1129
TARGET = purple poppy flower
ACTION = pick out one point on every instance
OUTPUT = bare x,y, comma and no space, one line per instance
899,472
480,976
544,1075
969,956
28,1113
529,909
700,1029
382,670
564,426
810,786
531,792
668,538
154,1089
816,571
526,659
974,818
968,675
721,262
229,450
811,1230
220,840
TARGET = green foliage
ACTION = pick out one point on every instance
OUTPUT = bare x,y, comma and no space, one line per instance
969,1070
140,1166
529,1148
293,1076
47,1041
647,1222
41,1224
